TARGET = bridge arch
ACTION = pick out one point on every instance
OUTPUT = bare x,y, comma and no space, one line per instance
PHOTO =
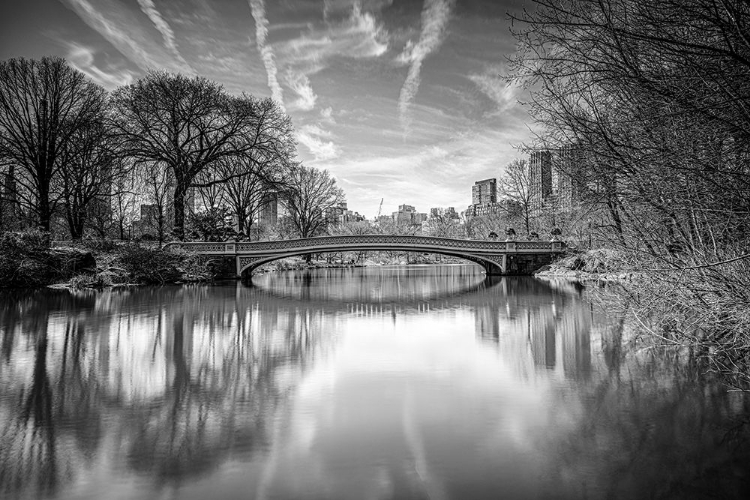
497,257
246,264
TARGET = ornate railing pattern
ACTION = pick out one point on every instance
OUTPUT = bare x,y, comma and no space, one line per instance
376,241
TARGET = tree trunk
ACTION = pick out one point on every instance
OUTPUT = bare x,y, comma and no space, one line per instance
241,221
76,220
179,211
44,210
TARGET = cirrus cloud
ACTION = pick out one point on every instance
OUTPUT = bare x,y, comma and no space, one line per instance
435,17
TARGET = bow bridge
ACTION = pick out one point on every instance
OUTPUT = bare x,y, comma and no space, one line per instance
497,257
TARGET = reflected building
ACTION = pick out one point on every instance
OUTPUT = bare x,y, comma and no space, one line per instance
542,333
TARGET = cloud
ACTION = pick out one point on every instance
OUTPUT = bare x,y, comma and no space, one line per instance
312,137
336,9
435,16
82,58
130,41
148,8
358,35
300,84
497,89
258,10
326,115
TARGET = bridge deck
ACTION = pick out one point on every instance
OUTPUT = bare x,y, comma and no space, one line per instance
371,242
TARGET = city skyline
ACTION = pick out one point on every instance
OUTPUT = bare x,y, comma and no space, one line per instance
399,100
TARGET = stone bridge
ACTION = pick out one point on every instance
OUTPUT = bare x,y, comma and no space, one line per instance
497,257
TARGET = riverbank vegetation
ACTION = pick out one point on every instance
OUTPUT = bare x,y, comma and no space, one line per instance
650,101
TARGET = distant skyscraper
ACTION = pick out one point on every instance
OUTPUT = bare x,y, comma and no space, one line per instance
540,178
269,210
550,178
407,214
484,192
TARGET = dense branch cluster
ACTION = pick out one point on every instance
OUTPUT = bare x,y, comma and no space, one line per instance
656,97
70,149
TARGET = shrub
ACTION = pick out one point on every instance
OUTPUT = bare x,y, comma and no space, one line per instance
101,245
25,259
89,281
150,265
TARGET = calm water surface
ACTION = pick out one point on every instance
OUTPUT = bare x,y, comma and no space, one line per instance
378,383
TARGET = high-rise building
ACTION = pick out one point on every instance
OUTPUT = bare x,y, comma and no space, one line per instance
269,210
407,214
540,178
484,192
551,181
447,213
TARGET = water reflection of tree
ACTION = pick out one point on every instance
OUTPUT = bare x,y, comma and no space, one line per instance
38,413
225,380
220,399
654,426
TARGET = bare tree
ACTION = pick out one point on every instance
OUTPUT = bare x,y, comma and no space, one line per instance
159,183
515,186
43,105
310,193
248,181
125,197
656,96
188,124
443,225
89,176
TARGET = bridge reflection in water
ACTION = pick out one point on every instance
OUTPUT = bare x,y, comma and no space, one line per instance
556,321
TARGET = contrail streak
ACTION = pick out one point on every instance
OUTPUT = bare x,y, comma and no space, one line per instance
258,9
148,8
435,16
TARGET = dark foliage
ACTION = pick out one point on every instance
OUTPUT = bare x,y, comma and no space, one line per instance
27,260
150,265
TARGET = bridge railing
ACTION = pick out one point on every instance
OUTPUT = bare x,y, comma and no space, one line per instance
378,241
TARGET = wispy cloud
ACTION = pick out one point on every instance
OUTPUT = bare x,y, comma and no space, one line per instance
258,10
435,16
300,84
502,93
313,137
341,8
82,58
326,115
129,41
148,8
357,35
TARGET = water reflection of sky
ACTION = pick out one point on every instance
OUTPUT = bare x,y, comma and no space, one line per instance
411,404
406,382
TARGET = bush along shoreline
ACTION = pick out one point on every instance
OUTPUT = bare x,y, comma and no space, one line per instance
601,264
29,260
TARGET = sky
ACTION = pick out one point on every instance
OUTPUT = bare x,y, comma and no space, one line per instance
401,100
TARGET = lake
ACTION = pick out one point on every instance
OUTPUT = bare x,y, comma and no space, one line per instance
368,383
